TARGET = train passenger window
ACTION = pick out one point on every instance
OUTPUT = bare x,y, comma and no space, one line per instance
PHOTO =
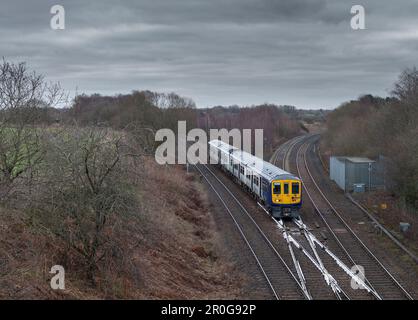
295,187
286,188
277,188
241,169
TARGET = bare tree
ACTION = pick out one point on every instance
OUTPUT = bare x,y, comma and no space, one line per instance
406,88
169,100
23,96
87,188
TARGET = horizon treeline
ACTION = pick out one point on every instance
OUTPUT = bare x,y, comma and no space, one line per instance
372,126
148,110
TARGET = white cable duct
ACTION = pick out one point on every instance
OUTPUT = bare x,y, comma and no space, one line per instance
329,279
341,264
298,270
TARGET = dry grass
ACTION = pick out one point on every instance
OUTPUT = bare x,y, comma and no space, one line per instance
169,251
392,215
188,252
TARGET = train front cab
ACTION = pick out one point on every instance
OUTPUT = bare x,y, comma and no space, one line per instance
286,198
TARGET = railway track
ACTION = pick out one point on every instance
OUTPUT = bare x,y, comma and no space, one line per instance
280,278
334,269
343,239
300,253
315,260
304,249
281,156
293,248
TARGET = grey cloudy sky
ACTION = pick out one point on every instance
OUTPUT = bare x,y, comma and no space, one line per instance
298,52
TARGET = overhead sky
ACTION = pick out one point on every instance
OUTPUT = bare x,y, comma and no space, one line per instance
217,52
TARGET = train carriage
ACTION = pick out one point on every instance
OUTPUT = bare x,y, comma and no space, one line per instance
278,190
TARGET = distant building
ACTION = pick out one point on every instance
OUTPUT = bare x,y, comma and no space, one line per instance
356,174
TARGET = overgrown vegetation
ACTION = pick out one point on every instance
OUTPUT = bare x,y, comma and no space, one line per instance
278,123
79,188
88,189
372,126
24,96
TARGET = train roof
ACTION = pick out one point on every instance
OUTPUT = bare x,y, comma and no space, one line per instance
218,144
264,168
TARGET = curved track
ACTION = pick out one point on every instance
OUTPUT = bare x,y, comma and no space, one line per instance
283,158
326,246
279,277
294,246
344,239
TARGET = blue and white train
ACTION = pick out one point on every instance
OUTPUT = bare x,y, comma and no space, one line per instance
279,191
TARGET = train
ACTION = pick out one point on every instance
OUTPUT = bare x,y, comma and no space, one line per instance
278,191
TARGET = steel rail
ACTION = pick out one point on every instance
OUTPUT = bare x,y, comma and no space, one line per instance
407,294
373,291
307,296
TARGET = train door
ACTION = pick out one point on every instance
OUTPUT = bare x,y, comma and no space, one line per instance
228,161
236,169
231,165
241,173
287,192
296,191
265,190
256,185
277,189
248,178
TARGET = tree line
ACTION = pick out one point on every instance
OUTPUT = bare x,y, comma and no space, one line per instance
372,126
73,172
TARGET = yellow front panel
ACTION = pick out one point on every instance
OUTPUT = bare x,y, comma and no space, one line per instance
283,192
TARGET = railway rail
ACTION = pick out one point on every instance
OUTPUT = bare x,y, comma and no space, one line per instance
344,240
325,260
280,278
303,266
302,254
316,283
